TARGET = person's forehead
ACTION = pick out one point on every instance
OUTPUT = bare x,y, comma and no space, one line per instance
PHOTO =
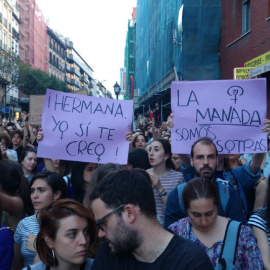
201,148
99,208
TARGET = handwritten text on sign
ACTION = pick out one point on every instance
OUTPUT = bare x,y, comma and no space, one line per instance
83,128
230,112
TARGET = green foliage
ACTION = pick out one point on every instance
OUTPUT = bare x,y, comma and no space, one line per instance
35,81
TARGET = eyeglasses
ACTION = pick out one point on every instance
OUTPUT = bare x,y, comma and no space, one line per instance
99,221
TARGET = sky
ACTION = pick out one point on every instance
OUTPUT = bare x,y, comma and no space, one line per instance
97,29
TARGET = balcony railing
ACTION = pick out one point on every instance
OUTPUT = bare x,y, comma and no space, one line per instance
15,34
68,80
68,68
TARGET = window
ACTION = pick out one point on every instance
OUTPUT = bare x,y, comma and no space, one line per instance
9,43
5,41
5,15
246,12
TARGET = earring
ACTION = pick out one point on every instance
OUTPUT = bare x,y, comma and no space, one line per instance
53,255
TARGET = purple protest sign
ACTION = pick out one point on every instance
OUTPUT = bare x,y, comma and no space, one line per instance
230,112
84,128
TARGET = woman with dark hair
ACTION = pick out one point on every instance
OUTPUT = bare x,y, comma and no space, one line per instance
260,224
14,193
81,173
45,187
139,141
163,177
204,227
66,230
28,159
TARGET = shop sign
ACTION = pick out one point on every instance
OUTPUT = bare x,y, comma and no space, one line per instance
259,60
241,73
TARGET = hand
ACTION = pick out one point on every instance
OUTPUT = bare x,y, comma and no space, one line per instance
155,181
30,243
266,128
40,135
129,137
24,115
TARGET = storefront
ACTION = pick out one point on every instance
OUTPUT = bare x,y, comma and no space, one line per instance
261,69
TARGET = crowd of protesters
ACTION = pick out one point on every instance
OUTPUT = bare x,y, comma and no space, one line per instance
160,210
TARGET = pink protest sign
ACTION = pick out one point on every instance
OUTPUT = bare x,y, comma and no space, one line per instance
230,112
84,128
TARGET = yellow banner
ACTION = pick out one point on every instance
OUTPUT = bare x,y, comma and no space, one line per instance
258,61
241,73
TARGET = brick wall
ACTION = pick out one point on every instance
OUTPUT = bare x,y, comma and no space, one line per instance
235,48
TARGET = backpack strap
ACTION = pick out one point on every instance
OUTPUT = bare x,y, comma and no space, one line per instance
224,194
180,200
229,247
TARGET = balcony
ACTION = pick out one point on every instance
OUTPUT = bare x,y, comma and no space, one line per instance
70,57
69,44
77,72
68,68
84,80
15,34
72,70
68,80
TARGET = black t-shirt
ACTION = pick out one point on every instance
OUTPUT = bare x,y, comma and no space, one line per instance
19,151
179,254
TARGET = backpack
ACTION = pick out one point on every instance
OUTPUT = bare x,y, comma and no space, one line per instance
224,195
227,256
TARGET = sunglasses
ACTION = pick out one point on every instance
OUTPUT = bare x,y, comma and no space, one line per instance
99,221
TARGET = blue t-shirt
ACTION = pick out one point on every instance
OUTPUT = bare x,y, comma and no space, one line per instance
6,248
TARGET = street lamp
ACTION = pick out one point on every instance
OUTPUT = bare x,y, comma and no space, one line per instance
117,89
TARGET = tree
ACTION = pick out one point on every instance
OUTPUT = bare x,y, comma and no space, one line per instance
35,81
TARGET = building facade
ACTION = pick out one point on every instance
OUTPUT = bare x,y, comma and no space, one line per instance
33,35
245,39
165,53
56,57
9,50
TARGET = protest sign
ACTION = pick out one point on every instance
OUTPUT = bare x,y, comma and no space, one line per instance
36,103
84,128
229,112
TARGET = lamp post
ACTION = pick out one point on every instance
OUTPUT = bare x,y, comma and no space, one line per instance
117,89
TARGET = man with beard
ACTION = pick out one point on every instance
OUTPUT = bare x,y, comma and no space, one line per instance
204,159
124,208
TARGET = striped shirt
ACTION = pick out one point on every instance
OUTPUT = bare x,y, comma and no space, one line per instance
25,227
258,220
168,182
